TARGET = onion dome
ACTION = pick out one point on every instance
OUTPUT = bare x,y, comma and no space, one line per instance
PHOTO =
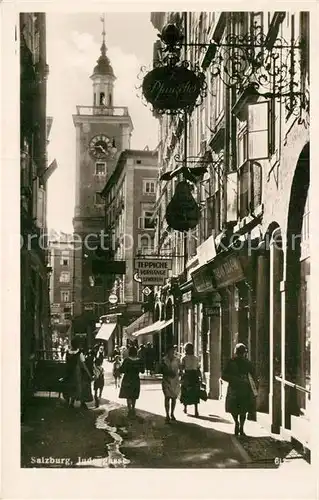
103,66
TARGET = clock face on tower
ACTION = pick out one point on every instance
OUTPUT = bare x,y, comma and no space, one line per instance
100,146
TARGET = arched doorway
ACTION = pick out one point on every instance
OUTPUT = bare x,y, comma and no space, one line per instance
297,308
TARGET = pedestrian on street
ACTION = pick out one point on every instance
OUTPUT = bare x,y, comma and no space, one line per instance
116,371
76,387
98,383
170,369
100,353
240,398
131,385
116,352
191,379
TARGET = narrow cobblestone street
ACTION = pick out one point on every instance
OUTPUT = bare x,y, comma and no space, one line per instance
106,437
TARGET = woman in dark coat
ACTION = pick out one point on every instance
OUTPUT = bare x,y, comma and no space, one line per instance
131,367
240,398
191,379
77,381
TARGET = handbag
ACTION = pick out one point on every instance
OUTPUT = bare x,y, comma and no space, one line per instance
203,393
252,385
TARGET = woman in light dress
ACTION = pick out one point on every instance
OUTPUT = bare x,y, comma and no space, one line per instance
191,379
170,369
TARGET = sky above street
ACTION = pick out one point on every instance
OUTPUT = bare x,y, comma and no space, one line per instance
73,46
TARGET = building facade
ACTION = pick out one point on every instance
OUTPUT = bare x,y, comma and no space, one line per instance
243,274
35,171
61,252
102,132
130,201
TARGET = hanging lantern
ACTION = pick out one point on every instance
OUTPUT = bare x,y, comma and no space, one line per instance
182,212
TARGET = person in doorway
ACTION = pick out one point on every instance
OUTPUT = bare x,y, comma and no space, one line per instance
191,379
98,383
76,377
131,385
170,369
116,371
240,398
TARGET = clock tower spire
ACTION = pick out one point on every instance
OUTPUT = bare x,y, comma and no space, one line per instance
103,77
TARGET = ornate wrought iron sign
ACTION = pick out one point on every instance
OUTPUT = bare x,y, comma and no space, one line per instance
173,86
272,70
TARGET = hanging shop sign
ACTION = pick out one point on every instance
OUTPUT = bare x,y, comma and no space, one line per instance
153,271
227,271
203,280
182,212
172,89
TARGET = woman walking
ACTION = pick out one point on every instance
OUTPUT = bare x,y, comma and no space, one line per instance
131,367
240,398
170,383
191,379
78,378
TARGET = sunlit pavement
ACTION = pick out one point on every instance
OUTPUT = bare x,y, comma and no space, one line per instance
207,441
108,438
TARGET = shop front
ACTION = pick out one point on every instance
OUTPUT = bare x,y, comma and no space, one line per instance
232,273
207,303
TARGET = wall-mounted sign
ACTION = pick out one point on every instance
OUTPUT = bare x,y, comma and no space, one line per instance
113,298
203,280
146,291
88,307
172,88
187,297
227,271
153,271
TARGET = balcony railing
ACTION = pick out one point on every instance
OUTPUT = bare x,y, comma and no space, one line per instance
102,110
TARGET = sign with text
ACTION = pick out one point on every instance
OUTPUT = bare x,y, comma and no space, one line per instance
228,271
153,271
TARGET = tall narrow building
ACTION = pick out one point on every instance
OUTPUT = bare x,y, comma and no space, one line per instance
103,131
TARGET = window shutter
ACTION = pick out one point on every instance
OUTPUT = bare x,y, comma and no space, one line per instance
231,191
40,208
258,143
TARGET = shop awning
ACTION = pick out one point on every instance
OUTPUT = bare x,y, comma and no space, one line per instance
141,322
106,331
155,327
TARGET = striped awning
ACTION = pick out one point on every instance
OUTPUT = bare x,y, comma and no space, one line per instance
106,331
153,328
139,323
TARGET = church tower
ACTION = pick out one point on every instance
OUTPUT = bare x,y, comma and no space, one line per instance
103,131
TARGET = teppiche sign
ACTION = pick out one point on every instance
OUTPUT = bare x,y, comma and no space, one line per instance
153,271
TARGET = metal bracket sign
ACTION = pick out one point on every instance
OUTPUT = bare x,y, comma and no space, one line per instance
153,271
